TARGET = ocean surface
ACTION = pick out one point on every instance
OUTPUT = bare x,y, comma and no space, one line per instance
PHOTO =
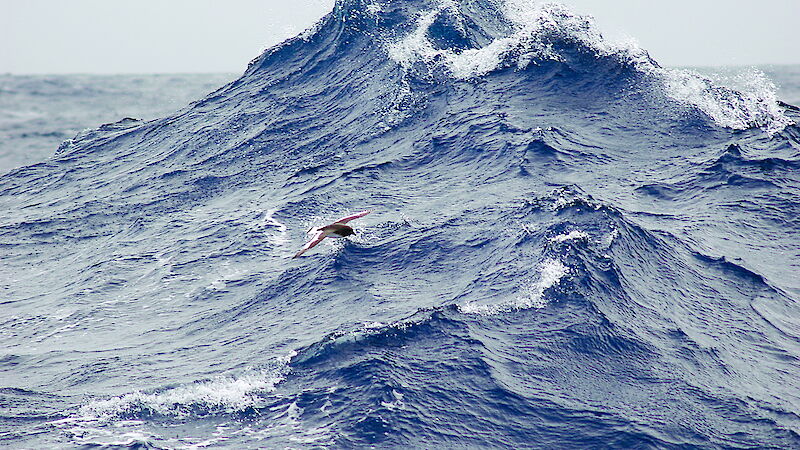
39,112
570,246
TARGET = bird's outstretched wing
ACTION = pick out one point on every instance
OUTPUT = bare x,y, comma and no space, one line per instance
354,216
317,239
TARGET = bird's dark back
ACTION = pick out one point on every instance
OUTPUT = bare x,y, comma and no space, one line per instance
338,228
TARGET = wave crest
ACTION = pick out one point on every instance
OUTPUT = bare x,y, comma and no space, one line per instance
223,395
535,33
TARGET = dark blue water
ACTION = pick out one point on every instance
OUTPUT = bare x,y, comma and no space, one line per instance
570,247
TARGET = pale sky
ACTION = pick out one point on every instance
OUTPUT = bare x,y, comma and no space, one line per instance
168,36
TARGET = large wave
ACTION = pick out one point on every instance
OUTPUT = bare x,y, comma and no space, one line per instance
571,246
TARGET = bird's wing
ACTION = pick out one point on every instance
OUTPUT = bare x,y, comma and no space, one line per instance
354,216
317,239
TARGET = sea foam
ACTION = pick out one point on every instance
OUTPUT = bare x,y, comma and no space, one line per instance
752,103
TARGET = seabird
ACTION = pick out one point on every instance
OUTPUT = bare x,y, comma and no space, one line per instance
337,229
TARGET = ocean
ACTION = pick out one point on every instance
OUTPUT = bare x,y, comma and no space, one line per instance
39,112
569,245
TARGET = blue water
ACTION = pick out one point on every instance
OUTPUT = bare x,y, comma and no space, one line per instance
570,247
38,112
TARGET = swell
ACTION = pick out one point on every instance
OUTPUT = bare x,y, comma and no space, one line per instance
546,260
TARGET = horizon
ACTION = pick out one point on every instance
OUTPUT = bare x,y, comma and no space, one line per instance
235,73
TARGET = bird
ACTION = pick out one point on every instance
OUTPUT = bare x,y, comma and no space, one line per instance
337,229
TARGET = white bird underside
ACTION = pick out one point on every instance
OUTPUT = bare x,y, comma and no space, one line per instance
322,233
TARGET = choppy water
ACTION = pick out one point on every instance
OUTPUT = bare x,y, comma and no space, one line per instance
570,247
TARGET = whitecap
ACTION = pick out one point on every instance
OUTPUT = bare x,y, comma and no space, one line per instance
531,296
222,394
574,235
750,103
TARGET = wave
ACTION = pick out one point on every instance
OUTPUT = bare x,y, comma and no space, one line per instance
551,32
570,247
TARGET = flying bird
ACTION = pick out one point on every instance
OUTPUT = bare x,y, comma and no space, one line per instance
337,229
